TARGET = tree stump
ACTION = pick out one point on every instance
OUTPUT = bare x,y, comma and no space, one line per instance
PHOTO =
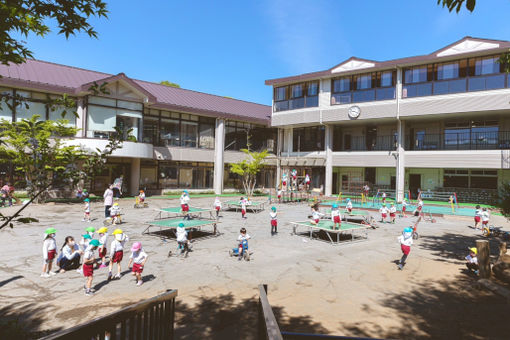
484,258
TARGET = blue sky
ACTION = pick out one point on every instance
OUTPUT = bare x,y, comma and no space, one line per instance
229,48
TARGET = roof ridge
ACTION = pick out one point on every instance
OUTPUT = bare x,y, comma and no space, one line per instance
200,92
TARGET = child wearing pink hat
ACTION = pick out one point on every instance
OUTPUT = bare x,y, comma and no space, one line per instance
138,258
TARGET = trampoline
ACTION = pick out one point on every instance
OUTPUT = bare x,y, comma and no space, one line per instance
190,225
357,232
254,207
177,211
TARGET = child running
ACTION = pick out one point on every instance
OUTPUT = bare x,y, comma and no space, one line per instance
393,213
86,216
335,217
243,203
485,217
185,204
217,206
478,216
384,212
117,252
274,221
316,215
406,241
138,258
103,238
115,213
88,265
384,197
49,251
348,206
404,207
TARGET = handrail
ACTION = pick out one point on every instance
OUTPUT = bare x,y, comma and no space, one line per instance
293,335
268,327
154,318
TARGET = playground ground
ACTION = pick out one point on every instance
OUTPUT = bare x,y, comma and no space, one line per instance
350,289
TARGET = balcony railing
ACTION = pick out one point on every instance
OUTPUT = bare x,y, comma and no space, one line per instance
460,141
469,84
359,96
364,143
296,103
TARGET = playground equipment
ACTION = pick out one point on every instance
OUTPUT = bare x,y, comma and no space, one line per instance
241,250
139,204
495,231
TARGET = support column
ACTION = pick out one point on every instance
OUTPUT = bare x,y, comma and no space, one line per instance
82,117
134,184
219,164
278,155
328,189
400,169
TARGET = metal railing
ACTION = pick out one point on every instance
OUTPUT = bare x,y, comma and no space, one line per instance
359,96
149,319
460,141
296,103
364,143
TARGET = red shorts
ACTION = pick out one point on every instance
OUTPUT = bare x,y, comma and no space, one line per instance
137,268
284,182
384,215
102,253
403,209
485,222
274,223
336,219
51,254
349,210
118,256
88,270
477,219
405,249
279,196
87,213
218,208
185,207
419,208
243,212
317,221
392,214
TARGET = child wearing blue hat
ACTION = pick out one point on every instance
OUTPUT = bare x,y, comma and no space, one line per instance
348,206
335,217
406,241
86,216
274,221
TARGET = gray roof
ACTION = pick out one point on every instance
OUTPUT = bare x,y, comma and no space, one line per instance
46,76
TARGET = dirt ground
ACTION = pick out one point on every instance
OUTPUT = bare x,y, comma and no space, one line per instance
349,289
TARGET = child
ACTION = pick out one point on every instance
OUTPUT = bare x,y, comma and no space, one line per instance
307,182
243,237
86,216
419,208
243,204
284,181
90,231
182,237
348,206
185,204
88,265
405,240
294,179
478,216
49,251
103,238
316,215
485,217
217,206
472,260
404,207
138,258
85,240
384,212
335,217
141,197
274,221
117,252
115,213
279,194
384,197
393,212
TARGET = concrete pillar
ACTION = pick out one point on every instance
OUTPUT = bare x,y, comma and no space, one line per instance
328,189
400,169
134,184
82,117
219,163
278,154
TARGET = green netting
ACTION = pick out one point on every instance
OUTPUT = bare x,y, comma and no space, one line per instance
177,210
328,225
174,223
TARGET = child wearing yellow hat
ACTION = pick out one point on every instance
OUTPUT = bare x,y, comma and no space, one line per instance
115,213
49,251
103,238
117,252
472,260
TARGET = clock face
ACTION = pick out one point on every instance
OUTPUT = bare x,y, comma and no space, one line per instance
354,111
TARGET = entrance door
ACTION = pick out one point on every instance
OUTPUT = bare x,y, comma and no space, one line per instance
414,184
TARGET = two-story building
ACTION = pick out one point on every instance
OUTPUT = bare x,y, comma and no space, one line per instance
439,121
185,139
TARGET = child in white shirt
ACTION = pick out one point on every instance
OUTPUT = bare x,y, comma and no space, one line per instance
115,213
316,215
393,213
279,194
406,241
384,212
404,207
117,252
184,199
335,217
103,239
217,207
485,217
86,216
243,202
348,206
182,236
478,216
49,251
138,258
472,260
384,197
274,221
88,265
244,236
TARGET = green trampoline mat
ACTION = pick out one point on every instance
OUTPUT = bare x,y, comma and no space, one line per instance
328,225
247,205
178,210
353,213
174,223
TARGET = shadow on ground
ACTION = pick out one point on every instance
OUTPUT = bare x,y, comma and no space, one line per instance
16,322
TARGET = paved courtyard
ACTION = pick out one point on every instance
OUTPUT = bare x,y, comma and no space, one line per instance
349,289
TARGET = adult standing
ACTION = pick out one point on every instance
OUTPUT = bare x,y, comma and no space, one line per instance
70,255
117,186
108,200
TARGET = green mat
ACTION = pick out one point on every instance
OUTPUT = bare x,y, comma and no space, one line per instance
174,223
353,213
177,210
247,205
328,225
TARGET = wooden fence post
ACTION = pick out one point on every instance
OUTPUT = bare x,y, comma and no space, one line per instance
484,258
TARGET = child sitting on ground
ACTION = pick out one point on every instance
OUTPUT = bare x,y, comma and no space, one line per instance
88,265
335,217
393,213
384,212
274,221
86,216
49,251
138,258
472,260
115,213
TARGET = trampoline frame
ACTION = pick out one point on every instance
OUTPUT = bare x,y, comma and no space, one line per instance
362,229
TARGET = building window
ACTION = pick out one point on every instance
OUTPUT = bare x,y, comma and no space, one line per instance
296,96
206,133
6,104
386,79
308,139
363,82
448,71
150,130
169,131
477,179
106,113
483,66
415,75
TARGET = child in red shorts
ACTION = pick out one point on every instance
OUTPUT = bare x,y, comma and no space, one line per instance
217,207
274,221
49,251
335,217
103,239
393,213
138,258
384,212
88,265
117,252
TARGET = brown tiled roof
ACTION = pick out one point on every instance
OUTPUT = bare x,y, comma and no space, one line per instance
503,45
46,76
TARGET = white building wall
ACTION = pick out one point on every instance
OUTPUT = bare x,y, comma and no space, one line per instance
383,175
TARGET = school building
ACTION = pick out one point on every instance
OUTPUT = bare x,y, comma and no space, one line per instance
184,139
439,121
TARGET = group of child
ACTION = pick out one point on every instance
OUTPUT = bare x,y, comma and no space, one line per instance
481,216
89,245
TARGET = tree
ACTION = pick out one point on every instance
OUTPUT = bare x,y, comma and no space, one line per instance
31,16
503,200
457,4
249,168
169,83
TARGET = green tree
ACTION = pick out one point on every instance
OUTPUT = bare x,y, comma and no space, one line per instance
457,4
503,200
248,169
169,83
31,17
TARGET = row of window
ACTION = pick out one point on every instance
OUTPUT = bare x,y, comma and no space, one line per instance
464,178
473,74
